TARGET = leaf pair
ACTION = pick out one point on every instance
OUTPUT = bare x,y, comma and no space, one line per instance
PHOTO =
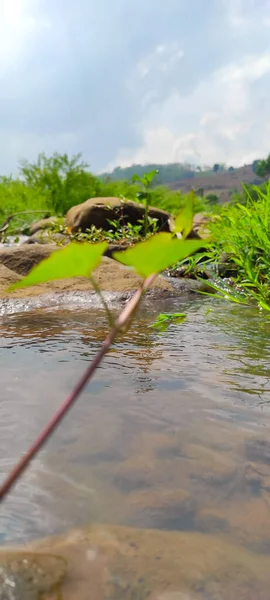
151,256
79,260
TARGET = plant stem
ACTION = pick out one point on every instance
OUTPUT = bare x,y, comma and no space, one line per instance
146,216
125,317
104,303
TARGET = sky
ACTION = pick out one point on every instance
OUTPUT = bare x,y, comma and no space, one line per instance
135,82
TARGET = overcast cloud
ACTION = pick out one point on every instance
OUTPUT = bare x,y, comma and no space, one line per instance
141,81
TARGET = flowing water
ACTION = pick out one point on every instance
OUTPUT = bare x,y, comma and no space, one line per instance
173,434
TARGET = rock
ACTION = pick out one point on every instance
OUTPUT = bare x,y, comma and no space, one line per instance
97,211
42,224
200,222
22,259
46,237
7,277
117,563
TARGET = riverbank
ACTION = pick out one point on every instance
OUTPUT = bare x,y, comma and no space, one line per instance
110,275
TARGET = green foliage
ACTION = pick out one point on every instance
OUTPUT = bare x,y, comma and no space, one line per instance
166,173
146,179
263,167
75,260
216,167
54,184
117,234
184,221
164,320
157,253
145,195
65,182
242,231
212,198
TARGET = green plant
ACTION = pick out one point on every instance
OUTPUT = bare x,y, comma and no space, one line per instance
145,195
242,231
148,258
64,181
262,167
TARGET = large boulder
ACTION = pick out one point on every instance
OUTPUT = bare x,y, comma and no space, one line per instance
97,212
21,259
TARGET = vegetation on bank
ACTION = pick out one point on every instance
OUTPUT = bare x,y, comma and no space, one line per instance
240,229
55,184
238,256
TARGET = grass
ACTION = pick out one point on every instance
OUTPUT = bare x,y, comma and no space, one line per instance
241,239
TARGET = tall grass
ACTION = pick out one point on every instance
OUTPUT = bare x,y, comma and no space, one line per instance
242,231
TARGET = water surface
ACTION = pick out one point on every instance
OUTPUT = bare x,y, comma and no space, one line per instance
172,434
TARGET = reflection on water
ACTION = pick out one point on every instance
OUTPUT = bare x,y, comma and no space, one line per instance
172,434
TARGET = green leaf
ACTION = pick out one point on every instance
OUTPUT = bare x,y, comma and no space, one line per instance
75,260
148,177
142,196
184,221
165,319
157,253
137,178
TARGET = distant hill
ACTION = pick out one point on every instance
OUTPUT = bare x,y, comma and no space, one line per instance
223,182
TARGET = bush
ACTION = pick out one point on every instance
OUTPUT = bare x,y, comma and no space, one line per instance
65,182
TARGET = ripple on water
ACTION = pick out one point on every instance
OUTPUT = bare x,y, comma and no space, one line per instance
172,434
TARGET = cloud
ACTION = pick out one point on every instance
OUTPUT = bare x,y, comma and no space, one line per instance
225,118
146,81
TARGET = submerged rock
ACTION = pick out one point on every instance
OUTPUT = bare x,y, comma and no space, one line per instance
27,576
117,563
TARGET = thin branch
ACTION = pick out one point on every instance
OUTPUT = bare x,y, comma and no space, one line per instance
125,317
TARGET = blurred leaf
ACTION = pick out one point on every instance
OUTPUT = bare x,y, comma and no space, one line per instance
148,177
136,178
157,253
142,196
184,221
75,260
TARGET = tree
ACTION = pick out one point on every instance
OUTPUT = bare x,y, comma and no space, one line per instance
65,181
231,169
212,198
254,165
263,167
216,167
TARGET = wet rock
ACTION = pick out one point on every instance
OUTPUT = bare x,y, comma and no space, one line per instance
7,277
21,259
97,212
25,576
200,223
43,224
119,563
48,237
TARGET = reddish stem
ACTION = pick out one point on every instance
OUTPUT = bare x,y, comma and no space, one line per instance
124,318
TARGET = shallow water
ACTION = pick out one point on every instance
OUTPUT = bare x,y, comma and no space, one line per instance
172,434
